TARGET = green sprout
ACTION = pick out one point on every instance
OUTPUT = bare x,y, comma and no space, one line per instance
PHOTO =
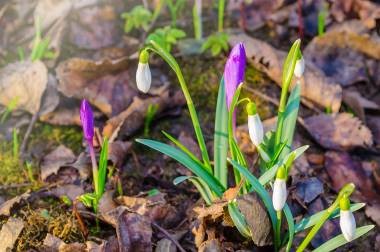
322,14
150,113
221,6
197,19
15,141
175,7
138,17
40,48
216,43
9,109
166,37
275,151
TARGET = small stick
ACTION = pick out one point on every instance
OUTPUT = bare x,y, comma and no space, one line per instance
27,134
166,233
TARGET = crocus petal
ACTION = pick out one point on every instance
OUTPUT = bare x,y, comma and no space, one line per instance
87,120
347,224
234,71
143,77
300,68
279,194
256,130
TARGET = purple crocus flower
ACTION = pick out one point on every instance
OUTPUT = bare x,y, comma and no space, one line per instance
87,120
234,71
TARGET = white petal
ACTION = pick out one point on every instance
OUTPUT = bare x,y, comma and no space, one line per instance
347,224
300,67
143,77
256,130
279,194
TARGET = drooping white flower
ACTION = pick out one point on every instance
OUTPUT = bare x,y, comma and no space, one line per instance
300,67
347,220
143,75
255,126
279,190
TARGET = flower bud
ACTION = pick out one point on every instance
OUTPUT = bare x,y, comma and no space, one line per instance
279,189
143,75
347,219
255,127
300,67
87,120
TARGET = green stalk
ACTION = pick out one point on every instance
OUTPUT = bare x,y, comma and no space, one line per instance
221,5
277,242
193,114
197,19
346,190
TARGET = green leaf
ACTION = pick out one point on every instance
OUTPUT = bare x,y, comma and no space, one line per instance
87,199
271,173
215,49
308,222
221,137
102,172
186,161
290,220
238,219
290,119
202,187
339,240
259,189
290,64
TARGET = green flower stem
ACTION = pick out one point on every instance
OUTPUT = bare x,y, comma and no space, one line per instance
221,5
197,22
278,231
346,190
193,114
94,167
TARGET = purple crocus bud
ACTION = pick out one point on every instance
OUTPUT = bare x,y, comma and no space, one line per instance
234,71
87,120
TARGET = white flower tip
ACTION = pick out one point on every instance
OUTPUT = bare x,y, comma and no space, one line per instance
300,67
347,224
255,128
143,77
279,194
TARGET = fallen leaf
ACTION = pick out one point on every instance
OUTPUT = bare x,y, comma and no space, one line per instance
7,206
69,190
25,81
52,243
9,233
52,162
106,202
343,169
315,86
165,245
373,212
358,103
340,131
134,232
212,245
309,189
117,152
373,123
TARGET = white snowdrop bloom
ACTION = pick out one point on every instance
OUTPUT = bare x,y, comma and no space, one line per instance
143,75
255,126
279,189
347,220
300,67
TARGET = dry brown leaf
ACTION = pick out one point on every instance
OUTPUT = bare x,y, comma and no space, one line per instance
52,243
213,212
6,207
373,212
340,131
358,103
52,162
25,81
315,86
9,233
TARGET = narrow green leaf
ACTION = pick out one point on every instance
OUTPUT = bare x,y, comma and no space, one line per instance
259,189
238,219
290,220
290,63
221,136
101,180
339,240
186,161
308,222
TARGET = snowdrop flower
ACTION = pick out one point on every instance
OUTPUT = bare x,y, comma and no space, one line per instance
279,189
87,120
255,127
347,219
143,75
300,67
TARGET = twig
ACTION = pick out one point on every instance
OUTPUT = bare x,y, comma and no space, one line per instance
166,233
27,134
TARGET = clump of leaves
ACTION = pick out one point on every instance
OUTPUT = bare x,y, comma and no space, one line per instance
138,17
216,43
175,7
40,45
166,37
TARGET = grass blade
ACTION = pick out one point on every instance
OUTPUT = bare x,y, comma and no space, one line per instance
201,186
186,161
339,240
290,220
221,137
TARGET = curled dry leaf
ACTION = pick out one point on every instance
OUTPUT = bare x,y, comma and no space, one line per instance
52,243
52,162
25,81
309,189
373,212
6,207
358,103
340,131
9,233
343,169
315,86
